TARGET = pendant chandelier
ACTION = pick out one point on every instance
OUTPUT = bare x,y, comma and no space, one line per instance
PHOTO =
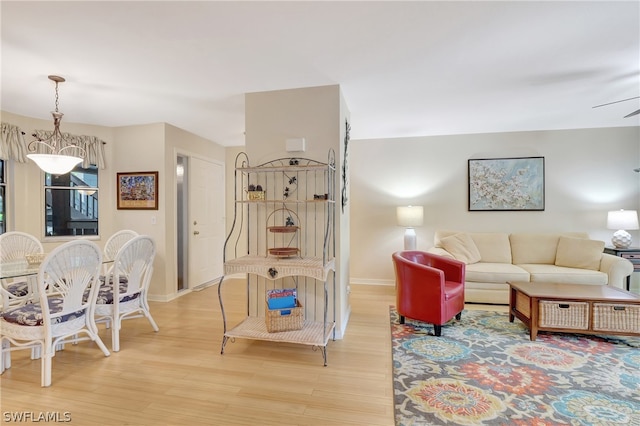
57,158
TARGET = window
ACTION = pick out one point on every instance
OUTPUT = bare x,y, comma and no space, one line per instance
72,203
3,189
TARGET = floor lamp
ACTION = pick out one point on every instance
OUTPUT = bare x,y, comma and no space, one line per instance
409,217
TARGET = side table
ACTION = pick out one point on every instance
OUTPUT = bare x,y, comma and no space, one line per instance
632,254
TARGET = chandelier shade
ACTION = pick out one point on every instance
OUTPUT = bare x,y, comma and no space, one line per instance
48,153
55,164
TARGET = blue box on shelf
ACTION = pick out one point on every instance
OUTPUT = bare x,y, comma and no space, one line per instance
282,298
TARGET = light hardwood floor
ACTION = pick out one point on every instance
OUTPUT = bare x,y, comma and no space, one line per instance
178,376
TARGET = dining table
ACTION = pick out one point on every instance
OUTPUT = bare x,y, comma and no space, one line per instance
22,268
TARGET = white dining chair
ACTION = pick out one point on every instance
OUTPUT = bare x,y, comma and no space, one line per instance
68,281
123,295
14,246
113,244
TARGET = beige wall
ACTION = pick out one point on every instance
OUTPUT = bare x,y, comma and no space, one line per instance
150,147
587,173
25,198
318,115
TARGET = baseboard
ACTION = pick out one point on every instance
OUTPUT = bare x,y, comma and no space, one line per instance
370,281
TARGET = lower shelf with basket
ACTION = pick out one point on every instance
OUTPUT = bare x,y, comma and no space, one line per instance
254,328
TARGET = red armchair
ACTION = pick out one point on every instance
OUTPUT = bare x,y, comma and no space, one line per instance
429,288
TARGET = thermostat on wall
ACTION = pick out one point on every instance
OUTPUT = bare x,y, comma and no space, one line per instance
295,144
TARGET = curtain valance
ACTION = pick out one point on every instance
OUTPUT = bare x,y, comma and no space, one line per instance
13,145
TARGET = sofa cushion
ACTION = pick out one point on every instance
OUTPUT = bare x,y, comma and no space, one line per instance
485,272
462,247
494,247
562,274
534,248
579,253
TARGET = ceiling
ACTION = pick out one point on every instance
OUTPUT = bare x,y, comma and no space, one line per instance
405,68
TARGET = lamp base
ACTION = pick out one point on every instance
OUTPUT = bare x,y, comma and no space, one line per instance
621,239
410,239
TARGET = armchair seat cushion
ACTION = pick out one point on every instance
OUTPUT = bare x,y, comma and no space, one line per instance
31,313
452,290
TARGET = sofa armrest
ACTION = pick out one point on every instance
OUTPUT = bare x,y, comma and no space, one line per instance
617,269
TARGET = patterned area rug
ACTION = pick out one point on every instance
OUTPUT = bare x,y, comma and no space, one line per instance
484,370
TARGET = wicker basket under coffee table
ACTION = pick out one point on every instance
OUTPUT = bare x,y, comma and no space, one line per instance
574,308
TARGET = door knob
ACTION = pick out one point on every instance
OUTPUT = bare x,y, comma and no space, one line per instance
196,232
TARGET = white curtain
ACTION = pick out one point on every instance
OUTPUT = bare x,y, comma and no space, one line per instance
12,143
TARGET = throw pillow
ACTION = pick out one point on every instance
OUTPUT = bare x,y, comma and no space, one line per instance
462,247
579,253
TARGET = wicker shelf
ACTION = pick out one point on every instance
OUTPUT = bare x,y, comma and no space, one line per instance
312,333
313,267
291,244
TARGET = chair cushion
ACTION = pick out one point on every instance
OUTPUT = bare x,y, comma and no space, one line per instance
18,288
31,314
105,295
462,247
579,253
452,289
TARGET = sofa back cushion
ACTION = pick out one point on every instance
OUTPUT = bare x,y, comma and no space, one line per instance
462,247
493,247
534,248
537,247
579,253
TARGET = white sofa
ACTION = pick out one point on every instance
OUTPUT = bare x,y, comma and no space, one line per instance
494,258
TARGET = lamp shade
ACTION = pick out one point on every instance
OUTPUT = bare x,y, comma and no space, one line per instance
410,216
56,164
622,219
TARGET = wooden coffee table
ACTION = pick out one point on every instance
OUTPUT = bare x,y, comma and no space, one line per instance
574,308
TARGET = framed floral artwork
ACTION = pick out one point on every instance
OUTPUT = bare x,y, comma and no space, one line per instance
137,190
506,184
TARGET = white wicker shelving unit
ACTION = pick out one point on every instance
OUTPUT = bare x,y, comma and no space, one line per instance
283,236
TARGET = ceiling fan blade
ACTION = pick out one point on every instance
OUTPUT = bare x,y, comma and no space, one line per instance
636,112
615,102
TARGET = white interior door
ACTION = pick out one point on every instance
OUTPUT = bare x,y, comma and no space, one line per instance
206,221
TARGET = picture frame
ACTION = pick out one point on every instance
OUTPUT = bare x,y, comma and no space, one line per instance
137,190
506,184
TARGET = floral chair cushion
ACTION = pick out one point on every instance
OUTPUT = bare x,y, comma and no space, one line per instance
31,314
105,295
18,289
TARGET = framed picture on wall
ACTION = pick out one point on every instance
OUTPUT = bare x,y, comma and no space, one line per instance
506,184
137,190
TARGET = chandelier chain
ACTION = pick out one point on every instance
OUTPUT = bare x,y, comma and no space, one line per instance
56,96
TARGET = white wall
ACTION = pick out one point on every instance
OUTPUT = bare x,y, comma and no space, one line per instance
587,173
